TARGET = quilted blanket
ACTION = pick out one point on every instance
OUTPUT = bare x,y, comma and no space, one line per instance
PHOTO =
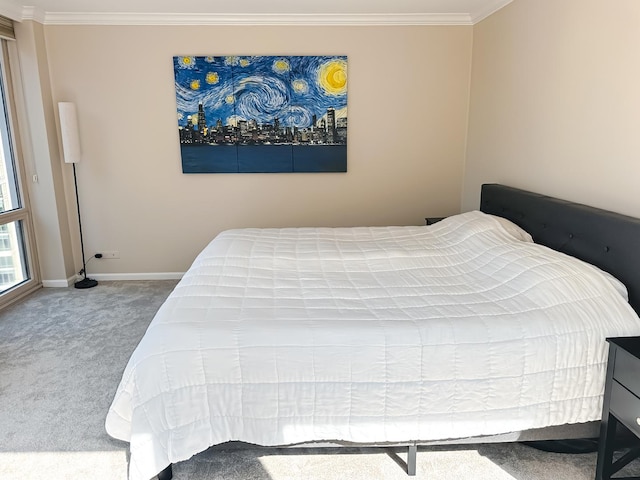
372,335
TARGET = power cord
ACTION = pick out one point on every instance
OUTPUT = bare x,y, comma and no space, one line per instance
97,255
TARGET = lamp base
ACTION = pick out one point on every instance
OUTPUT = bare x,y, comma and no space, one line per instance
86,283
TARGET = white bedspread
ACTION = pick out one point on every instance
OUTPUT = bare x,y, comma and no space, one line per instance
387,334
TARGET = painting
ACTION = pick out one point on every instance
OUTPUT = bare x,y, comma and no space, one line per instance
262,114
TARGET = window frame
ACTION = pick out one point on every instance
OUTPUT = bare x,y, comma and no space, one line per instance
21,214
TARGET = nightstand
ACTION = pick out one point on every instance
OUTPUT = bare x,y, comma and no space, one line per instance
432,220
621,404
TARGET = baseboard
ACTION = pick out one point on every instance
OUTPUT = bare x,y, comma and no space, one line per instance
59,283
107,277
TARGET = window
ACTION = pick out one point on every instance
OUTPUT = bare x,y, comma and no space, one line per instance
17,273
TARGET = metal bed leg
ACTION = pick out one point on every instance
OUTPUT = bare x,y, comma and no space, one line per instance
411,460
166,474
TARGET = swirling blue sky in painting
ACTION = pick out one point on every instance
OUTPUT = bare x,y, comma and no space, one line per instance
291,89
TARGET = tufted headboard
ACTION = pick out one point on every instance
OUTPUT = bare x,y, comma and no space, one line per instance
608,240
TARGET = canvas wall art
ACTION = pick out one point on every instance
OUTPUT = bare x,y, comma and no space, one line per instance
262,114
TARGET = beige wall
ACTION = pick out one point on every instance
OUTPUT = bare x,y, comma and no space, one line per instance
554,108
555,102
408,104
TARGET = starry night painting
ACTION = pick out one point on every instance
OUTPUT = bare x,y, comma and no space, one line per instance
262,114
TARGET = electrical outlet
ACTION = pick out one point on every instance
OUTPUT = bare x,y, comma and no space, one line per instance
111,254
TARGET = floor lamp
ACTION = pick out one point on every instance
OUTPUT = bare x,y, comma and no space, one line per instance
72,154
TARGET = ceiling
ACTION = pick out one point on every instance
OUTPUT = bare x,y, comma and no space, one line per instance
416,12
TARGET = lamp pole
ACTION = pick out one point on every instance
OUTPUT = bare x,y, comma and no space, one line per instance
85,282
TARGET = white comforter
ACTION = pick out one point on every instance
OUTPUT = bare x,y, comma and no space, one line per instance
280,336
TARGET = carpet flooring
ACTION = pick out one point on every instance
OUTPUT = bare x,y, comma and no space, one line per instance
62,352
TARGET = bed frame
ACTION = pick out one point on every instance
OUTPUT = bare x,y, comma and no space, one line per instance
602,238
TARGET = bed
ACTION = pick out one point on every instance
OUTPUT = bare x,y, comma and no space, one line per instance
464,329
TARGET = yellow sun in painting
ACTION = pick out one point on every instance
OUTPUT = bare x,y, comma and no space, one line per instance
195,84
244,62
332,77
212,78
230,99
281,66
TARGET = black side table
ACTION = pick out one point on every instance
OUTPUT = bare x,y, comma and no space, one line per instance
432,220
621,404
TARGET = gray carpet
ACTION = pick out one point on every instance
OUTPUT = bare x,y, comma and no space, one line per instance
62,352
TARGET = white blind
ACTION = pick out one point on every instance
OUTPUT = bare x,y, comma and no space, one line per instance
6,28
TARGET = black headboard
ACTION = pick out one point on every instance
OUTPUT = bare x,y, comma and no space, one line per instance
605,239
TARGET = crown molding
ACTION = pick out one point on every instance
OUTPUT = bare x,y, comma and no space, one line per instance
72,18
489,10
33,13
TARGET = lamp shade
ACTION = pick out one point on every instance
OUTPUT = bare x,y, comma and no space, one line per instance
69,132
